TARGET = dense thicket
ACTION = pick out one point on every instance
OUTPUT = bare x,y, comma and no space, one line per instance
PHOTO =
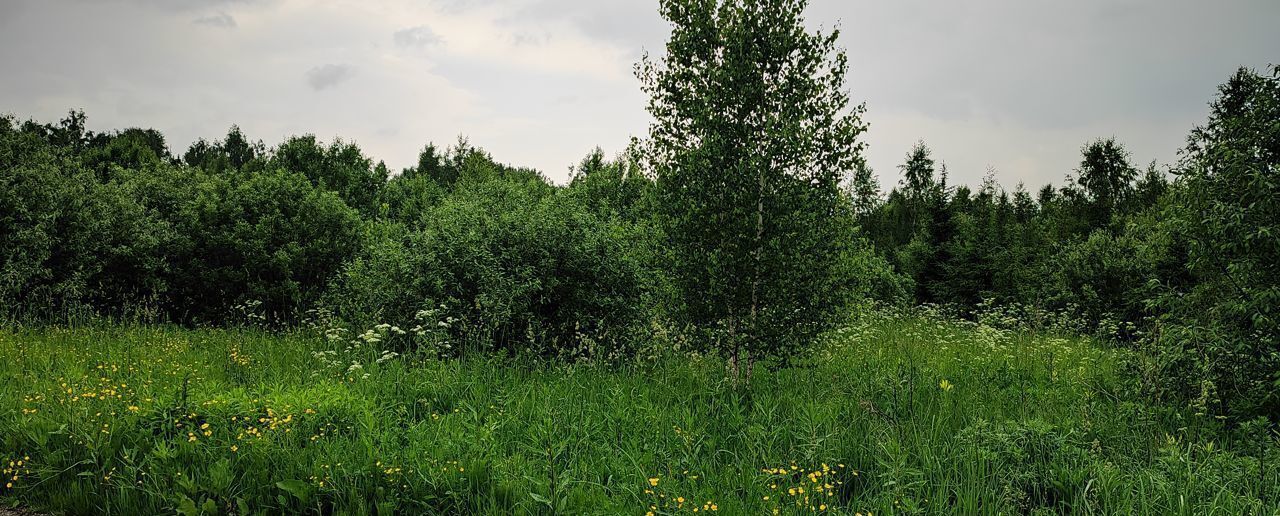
506,267
1183,264
1188,268
1221,324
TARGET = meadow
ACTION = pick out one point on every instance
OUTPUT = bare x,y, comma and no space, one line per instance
732,314
891,414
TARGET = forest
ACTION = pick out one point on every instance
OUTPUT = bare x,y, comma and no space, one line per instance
734,314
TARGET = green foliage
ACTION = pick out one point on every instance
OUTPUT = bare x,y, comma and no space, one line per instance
869,278
464,164
915,224
1034,465
937,417
340,168
515,265
922,184
438,168
728,230
70,244
1222,332
1106,177
231,153
1100,280
752,134
613,189
269,238
130,149
1189,267
864,190
407,197
1088,250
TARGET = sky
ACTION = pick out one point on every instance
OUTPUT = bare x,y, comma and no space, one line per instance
1010,86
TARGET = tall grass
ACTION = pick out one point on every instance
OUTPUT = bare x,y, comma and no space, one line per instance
890,415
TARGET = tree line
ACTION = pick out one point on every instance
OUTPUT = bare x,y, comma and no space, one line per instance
1184,265
747,222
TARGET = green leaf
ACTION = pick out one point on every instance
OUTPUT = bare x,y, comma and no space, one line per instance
299,489
186,507
540,499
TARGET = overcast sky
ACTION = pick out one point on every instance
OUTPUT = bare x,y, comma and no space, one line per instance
1014,85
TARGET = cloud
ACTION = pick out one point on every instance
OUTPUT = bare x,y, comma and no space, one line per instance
183,5
461,6
416,37
625,22
1015,84
10,11
328,76
221,20
530,39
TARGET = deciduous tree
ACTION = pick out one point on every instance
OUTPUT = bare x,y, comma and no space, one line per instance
753,131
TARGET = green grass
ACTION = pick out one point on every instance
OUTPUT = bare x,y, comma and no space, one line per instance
891,415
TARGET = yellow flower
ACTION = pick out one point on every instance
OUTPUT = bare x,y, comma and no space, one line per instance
653,481
945,385
234,448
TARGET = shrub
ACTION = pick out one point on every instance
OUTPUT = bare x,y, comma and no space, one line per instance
67,242
1221,336
869,276
407,197
1102,279
339,167
270,238
511,264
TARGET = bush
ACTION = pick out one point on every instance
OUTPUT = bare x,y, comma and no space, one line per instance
67,242
1101,280
271,239
512,264
1221,335
871,277
339,167
407,197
